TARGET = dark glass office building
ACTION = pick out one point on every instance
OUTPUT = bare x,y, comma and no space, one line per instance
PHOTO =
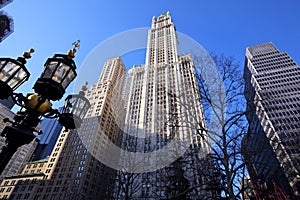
273,100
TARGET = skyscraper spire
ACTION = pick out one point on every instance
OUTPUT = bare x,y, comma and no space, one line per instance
162,47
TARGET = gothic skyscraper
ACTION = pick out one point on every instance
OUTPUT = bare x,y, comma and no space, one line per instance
163,105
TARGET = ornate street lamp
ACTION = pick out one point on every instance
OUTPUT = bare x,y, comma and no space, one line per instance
58,73
74,110
13,73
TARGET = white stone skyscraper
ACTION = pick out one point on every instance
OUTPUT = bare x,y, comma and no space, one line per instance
163,105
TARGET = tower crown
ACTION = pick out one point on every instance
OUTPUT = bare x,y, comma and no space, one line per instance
162,20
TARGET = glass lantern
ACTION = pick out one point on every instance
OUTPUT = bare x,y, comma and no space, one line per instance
74,110
13,73
58,73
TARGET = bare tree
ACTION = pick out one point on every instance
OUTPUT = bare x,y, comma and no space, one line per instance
221,89
128,180
126,185
228,107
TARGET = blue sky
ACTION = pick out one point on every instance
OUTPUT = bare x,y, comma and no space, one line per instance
50,26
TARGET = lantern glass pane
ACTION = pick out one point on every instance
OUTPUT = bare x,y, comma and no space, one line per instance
72,104
18,79
12,74
61,71
67,106
79,106
85,109
68,79
49,69
7,71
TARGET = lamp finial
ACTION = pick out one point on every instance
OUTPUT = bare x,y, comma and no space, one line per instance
83,89
76,45
27,55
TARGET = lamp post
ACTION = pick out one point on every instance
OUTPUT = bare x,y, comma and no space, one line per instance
58,73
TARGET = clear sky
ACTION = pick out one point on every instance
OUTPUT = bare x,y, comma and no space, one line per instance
50,26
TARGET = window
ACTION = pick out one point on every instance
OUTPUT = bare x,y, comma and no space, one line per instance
23,188
49,189
30,188
26,195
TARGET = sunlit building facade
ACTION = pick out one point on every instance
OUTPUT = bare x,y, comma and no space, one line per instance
273,96
160,94
72,171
